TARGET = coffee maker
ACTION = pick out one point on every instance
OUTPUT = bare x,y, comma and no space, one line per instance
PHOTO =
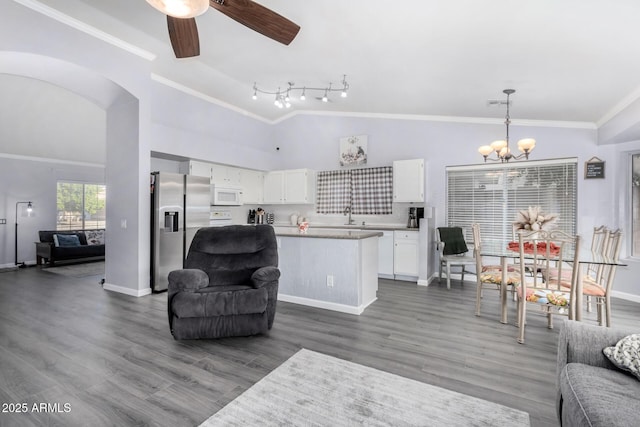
415,214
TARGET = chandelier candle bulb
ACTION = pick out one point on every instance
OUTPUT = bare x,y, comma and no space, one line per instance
485,150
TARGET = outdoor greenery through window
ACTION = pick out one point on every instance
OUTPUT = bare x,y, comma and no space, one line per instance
80,206
492,195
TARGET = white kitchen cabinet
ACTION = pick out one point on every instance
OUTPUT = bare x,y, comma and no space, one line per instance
405,253
408,180
252,183
225,175
196,168
294,186
385,254
273,187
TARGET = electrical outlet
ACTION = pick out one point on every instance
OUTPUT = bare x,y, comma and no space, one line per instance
3,221
330,281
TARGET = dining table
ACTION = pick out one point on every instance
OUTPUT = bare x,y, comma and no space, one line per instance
500,249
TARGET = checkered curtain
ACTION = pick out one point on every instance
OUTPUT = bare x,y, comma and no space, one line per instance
333,191
372,191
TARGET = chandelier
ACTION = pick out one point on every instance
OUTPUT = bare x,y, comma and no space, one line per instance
283,97
501,147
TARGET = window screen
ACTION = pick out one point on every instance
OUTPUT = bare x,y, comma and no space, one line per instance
491,195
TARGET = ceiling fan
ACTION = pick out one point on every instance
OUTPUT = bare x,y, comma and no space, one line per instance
183,31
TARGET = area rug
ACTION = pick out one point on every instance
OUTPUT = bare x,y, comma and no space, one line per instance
86,269
313,389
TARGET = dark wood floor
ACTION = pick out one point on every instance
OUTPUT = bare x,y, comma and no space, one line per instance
111,359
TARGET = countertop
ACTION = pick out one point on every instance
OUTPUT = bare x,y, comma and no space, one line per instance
384,227
317,232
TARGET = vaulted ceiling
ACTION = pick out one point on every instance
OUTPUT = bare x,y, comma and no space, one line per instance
569,60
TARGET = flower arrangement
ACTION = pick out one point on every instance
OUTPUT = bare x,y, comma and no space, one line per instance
535,219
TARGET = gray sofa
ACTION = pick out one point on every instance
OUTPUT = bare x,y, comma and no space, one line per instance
47,251
229,285
591,391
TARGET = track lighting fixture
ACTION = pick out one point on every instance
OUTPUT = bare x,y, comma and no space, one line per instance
283,98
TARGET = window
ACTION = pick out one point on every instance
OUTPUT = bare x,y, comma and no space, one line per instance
367,191
635,204
80,206
491,195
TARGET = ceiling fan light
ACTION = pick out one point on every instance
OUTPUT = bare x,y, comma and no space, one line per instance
181,8
344,94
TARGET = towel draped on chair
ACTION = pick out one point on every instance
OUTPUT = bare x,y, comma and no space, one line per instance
453,239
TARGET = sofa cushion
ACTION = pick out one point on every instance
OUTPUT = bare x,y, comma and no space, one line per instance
94,237
82,251
66,240
626,354
220,301
594,396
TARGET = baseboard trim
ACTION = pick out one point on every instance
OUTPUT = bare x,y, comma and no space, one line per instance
423,282
625,296
127,291
342,308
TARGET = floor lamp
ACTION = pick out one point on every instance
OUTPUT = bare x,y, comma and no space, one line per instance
29,209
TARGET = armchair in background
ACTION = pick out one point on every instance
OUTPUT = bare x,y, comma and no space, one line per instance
229,285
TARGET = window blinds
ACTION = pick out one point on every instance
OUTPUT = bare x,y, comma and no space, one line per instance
367,191
491,195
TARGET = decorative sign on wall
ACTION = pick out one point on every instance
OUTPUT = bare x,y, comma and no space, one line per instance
594,168
353,150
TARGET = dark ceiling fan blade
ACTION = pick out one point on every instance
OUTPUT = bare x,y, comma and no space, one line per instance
258,18
184,36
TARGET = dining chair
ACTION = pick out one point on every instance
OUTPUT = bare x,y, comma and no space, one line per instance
453,252
547,249
489,276
598,278
599,288
599,244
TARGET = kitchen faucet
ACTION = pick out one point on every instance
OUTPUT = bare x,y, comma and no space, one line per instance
347,210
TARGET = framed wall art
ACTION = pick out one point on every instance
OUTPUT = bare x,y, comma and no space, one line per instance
353,150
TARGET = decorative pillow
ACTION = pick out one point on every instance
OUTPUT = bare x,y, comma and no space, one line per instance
66,240
626,354
94,237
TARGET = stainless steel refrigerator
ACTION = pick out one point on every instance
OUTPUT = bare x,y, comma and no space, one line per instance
180,205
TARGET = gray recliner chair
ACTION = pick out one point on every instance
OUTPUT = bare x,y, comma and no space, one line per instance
229,285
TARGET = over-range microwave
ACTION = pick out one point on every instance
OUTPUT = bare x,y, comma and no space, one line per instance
226,195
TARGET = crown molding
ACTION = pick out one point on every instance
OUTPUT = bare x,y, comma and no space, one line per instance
449,119
619,107
85,28
50,160
190,91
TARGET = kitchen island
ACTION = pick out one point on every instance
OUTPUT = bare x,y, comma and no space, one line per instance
330,269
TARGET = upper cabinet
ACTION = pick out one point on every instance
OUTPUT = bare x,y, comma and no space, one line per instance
194,167
408,180
252,183
225,175
294,186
